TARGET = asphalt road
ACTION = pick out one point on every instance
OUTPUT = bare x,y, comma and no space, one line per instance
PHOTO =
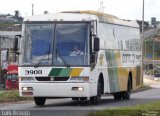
67,107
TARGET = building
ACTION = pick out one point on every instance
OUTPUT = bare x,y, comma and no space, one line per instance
152,52
7,39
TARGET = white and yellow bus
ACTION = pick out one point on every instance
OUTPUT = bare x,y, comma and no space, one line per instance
110,62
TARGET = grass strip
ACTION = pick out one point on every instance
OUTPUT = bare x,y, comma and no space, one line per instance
11,96
149,109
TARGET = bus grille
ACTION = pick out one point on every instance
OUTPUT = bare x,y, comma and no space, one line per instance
52,78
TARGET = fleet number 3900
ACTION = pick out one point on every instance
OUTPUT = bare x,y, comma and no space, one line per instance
28,72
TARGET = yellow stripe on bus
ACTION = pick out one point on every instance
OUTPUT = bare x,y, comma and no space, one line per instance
76,72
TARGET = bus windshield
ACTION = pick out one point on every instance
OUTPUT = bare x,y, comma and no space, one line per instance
60,44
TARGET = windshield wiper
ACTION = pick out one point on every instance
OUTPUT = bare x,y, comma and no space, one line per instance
62,59
38,63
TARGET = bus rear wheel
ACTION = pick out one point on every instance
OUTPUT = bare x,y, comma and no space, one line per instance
117,96
39,101
127,93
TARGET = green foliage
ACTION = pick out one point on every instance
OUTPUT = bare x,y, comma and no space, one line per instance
149,72
137,110
5,24
11,96
110,112
148,49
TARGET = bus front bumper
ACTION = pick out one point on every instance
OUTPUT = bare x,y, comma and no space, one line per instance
54,89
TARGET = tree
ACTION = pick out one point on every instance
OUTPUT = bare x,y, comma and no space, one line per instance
45,12
17,14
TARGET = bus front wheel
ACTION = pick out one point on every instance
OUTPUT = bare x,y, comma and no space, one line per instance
96,99
39,101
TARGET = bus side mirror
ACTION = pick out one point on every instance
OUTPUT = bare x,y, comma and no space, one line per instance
15,44
96,44
15,48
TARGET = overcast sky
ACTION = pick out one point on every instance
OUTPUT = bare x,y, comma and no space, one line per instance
125,9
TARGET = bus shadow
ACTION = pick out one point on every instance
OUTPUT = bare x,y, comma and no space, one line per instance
80,103
109,102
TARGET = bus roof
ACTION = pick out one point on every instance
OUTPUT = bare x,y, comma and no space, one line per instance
82,16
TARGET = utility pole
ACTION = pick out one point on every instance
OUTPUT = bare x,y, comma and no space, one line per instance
142,38
101,9
0,52
153,56
32,9
143,20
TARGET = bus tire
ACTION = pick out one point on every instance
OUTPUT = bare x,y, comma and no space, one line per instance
117,96
39,101
127,93
97,99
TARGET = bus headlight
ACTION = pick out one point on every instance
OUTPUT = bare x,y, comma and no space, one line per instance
77,89
79,79
27,88
25,79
